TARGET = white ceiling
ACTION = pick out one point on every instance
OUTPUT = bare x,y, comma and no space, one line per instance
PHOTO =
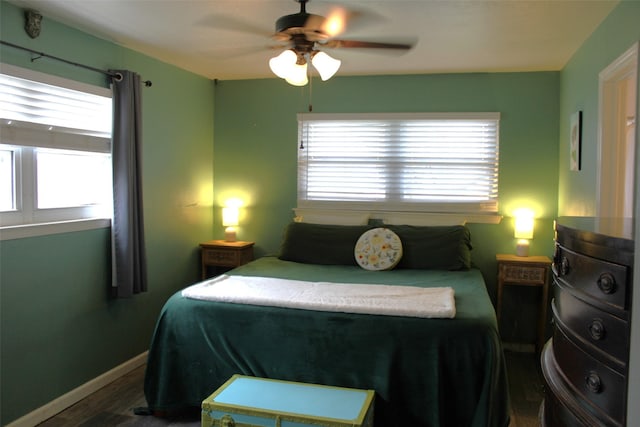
452,35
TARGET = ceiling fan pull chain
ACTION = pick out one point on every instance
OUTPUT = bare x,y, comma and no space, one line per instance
305,131
310,93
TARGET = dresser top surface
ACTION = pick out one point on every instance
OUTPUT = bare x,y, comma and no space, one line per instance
609,239
619,228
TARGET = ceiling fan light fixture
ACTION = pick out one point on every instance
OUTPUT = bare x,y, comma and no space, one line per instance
297,75
325,64
282,64
303,33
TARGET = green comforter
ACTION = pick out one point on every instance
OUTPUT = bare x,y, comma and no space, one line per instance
425,372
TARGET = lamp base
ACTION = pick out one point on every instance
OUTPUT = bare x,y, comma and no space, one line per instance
230,234
522,248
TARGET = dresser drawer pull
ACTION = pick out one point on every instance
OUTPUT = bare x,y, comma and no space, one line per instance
564,266
607,283
596,329
593,382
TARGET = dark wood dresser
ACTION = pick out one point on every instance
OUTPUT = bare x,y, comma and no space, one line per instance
585,363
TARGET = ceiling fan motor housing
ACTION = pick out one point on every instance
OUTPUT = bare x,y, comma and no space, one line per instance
296,20
301,23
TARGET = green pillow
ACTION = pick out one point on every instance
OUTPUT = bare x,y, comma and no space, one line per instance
434,248
321,243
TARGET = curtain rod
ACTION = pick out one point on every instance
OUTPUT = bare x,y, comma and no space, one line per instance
116,76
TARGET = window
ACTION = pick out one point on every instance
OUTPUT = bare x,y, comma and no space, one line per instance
55,145
431,162
7,172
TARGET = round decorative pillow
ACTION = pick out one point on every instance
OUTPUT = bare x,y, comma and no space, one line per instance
378,249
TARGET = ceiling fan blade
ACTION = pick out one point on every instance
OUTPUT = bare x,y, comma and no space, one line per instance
361,44
336,21
314,23
232,23
339,20
229,53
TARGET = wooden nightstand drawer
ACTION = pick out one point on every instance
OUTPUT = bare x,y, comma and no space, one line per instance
221,257
524,274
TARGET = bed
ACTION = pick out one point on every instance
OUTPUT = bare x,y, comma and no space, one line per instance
425,371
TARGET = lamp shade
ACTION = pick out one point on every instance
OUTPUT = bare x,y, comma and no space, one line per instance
298,75
326,65
287,66
282,64
230,216
524,227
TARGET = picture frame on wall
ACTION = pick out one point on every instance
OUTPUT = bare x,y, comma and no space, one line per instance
575,141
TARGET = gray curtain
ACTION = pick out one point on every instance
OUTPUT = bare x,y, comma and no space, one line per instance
129,265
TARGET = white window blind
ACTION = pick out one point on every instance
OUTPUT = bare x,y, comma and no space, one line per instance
431,162
57,114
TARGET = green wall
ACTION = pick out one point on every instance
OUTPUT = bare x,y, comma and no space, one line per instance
58,327
256,148
579,91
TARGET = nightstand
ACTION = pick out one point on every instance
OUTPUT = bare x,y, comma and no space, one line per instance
220,253
525,271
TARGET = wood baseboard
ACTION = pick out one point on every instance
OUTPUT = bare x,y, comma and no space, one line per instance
67,400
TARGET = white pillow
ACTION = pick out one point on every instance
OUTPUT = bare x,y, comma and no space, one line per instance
378,249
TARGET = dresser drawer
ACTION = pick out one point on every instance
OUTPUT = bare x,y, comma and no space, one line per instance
599,280
594,381
608,333
561,407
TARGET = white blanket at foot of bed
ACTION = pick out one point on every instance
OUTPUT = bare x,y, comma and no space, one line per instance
388,300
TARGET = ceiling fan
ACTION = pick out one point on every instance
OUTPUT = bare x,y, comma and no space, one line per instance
306,35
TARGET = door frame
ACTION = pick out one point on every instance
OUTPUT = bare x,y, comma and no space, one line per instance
611,199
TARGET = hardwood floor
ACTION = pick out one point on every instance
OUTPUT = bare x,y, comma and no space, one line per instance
113,405
525,388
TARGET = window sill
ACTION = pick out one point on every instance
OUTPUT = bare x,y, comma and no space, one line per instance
349,216
43,229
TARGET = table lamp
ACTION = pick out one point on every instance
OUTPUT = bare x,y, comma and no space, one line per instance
523,232
229,221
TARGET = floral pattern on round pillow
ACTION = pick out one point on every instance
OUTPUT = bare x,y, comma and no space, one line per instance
378,249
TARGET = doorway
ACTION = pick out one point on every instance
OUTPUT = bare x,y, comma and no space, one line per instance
618,85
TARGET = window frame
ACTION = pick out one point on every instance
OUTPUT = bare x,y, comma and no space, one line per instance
24,138
478,212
